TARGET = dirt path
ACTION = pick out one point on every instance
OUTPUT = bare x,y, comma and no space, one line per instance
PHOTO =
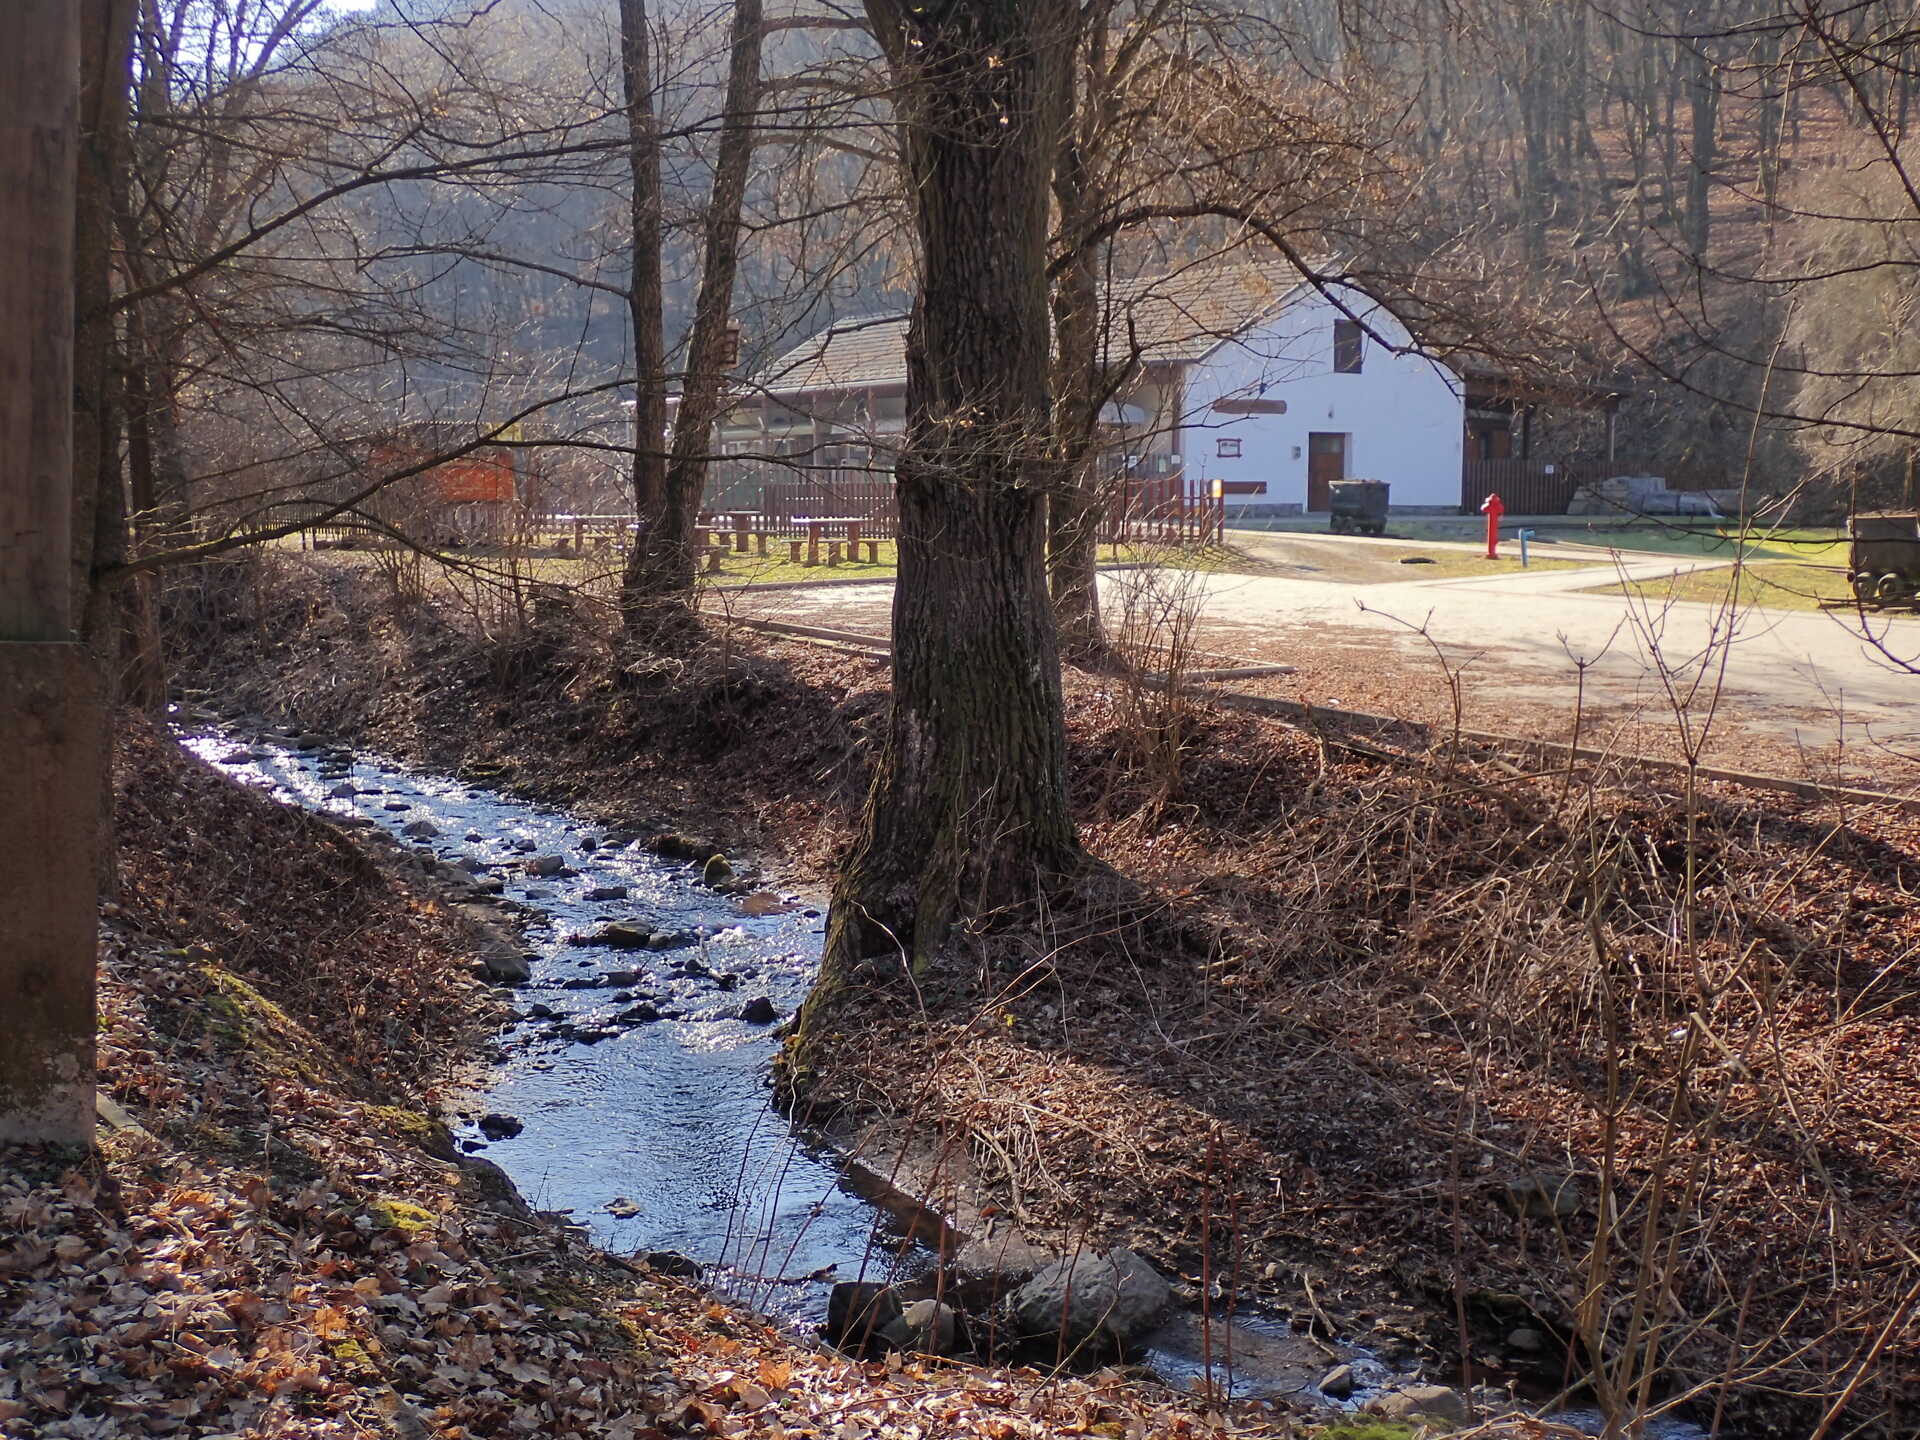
1797,693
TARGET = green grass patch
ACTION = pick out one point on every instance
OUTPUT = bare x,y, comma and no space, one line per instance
1714,542
1363,1428
1767,584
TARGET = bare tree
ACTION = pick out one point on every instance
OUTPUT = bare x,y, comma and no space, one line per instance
968,808
663,562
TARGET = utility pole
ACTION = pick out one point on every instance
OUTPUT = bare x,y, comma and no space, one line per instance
50,695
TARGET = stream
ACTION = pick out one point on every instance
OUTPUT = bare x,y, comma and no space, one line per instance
639,1076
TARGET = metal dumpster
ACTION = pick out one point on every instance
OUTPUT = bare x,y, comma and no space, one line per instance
1883,564
1359,507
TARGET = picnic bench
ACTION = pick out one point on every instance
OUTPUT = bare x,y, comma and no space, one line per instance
821,530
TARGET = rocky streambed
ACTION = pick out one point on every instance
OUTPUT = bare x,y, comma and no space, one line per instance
650,978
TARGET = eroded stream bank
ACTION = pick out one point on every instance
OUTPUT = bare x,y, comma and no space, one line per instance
637,1074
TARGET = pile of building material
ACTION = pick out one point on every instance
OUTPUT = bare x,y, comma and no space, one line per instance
1648,495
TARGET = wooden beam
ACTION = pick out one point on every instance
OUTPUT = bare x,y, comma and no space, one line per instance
39,142
50,701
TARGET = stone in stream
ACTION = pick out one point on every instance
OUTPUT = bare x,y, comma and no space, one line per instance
669,940
470,865
621,1208
489,885
641,1014
716,872
671,1262
1115,1294
858,1311
601,893
1338,1383
925,1326
503,964
620,935
540,1012
342,792
1415,1400
759,1011
525,846
684,847
309,741
547,865
500,1127
398,805
474,837
589,844
420,830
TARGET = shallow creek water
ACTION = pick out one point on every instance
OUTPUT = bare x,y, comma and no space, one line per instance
658,1134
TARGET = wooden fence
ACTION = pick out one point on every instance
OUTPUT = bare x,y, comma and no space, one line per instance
1184,520
1150,510
1525,487
869,501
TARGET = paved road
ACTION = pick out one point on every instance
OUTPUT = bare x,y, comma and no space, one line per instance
1803,679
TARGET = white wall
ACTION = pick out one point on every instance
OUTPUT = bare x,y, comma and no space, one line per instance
1403,415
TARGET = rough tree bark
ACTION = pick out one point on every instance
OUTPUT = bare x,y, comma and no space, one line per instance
968,807
664,565
116,620
644,302
1073,513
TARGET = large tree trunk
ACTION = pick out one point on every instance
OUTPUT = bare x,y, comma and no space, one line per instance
664,563
644,302
969,806
100,507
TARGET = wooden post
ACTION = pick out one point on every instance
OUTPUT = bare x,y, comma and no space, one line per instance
833,552
760,544
793,551
50,697
853,538
740,528
813,542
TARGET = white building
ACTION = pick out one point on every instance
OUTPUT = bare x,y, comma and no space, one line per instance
1243,374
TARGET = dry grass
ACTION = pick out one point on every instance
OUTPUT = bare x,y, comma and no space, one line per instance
1334,997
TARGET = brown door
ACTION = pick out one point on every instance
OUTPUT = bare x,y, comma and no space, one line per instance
1326,463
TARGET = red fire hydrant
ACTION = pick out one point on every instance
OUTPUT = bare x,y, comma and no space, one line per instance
1493,510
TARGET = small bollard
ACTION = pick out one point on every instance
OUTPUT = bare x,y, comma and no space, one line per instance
1525,536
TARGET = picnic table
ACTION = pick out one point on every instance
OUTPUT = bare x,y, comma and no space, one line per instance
817,528
741,526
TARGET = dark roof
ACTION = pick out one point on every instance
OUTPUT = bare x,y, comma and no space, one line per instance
847,356
1180,315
